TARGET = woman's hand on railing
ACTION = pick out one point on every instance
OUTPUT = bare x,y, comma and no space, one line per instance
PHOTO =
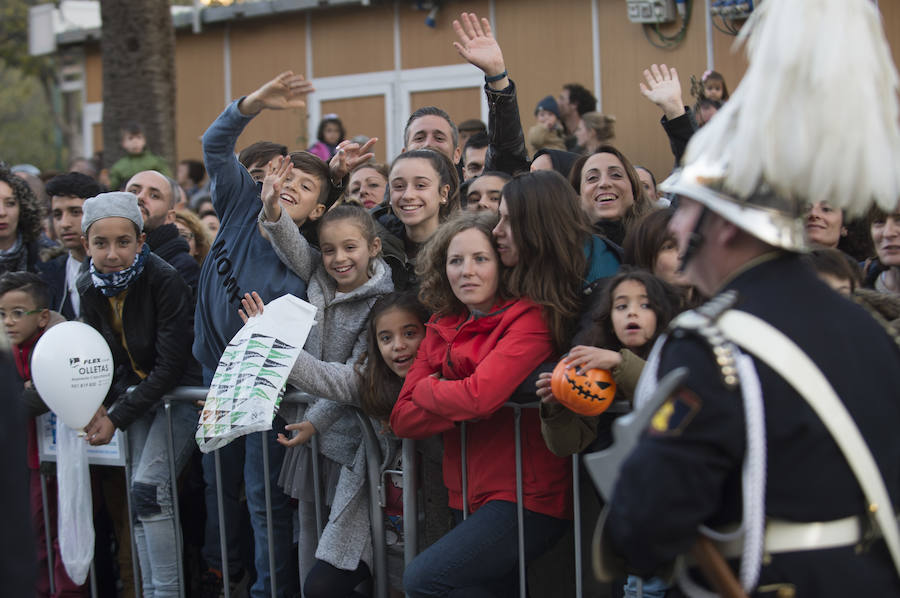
544,393
305,431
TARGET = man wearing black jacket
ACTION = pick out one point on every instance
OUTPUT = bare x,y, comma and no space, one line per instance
67,194
156,195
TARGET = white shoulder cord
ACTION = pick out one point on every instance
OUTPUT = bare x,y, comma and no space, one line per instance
753,473
753,482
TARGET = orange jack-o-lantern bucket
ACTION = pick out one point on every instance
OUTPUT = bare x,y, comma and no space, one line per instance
588,393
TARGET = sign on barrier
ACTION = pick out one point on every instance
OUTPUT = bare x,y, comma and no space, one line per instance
108,454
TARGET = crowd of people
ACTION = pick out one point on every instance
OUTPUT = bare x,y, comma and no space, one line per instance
447,283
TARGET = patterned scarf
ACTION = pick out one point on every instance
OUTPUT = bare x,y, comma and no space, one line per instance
14,259
115,282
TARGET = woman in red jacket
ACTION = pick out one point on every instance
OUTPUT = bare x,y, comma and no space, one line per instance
479,346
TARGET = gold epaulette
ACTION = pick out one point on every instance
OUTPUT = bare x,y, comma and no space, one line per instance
702,322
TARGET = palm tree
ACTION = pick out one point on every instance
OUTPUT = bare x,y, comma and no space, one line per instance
138,46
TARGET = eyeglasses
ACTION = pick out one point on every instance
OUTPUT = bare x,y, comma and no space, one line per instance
186,235
17,314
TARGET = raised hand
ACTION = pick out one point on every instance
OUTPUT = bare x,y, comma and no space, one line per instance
348,156
253,306
305,431
477,45
272,184
287,90
663,88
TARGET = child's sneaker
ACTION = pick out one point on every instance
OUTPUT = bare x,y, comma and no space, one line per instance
211,585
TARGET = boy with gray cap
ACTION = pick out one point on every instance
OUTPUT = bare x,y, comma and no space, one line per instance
143,309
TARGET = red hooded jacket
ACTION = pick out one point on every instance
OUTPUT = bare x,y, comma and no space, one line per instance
467,367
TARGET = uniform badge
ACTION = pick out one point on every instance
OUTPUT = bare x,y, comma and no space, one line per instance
675,414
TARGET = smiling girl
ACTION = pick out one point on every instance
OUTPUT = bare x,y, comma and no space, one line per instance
479,346
345,277
394,329
424,191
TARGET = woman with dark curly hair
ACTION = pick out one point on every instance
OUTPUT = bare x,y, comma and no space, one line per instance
20,224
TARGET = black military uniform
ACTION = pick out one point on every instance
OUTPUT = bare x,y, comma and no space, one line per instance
686,470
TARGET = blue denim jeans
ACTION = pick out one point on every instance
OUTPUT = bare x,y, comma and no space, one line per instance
242,460
650,587
479,557
151,493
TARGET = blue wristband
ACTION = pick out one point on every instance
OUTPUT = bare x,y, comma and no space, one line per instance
494,78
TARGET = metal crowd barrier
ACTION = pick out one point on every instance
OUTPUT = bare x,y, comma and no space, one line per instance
373,469
410,511
376,498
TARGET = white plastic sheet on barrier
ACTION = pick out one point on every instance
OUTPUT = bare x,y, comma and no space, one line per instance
112,453
75,514
253,371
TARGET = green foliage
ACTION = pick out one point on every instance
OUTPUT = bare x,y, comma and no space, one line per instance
14,40
27,130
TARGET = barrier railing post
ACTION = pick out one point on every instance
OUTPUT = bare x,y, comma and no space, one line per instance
520,509
93,581
373,465
173,487
273,586
576,511
410,510
47,536
465,470
134,552
223,540
317,486
373,470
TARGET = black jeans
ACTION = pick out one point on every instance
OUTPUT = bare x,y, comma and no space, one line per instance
327,581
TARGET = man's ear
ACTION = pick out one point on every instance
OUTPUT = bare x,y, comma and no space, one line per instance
317,212
457,153
170,217
85,245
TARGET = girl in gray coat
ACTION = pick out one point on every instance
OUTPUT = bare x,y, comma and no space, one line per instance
344,280
395,328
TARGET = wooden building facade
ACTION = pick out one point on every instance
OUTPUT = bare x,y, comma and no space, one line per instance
375,61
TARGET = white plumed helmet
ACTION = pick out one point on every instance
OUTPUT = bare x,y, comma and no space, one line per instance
815,118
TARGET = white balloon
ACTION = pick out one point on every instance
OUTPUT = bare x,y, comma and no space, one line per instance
72,369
